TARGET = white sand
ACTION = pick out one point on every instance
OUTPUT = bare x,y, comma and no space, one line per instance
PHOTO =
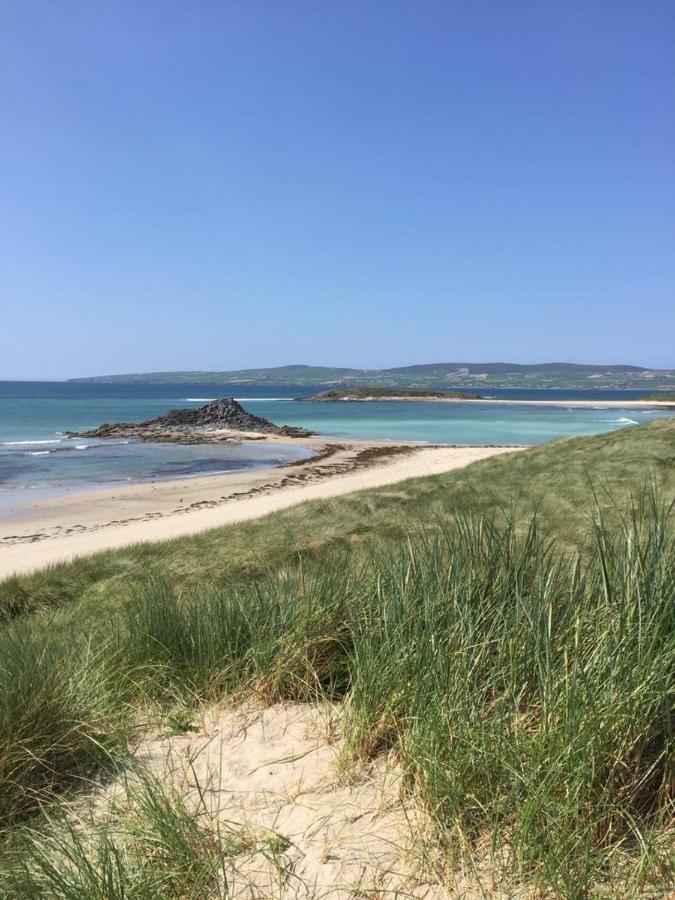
274,776
75,525
272,773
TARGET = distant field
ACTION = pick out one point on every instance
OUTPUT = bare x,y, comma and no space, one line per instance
508,629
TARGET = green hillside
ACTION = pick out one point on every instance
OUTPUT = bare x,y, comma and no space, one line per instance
435,375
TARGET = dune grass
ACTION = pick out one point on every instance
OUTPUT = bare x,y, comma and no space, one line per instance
530,695
62,714
527,686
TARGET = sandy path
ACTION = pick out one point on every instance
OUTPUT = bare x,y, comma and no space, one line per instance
63,528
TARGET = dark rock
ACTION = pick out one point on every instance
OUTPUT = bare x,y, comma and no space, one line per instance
201,425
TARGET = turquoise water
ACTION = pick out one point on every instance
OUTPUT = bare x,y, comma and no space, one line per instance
454,423
34,454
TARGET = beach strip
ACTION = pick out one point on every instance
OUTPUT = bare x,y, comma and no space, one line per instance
66,527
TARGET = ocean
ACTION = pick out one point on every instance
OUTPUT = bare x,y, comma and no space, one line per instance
35,456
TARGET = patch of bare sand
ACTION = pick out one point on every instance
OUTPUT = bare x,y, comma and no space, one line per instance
275,774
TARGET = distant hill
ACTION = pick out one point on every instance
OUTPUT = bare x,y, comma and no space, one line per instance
428,375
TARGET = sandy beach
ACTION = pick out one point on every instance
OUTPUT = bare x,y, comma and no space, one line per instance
71,525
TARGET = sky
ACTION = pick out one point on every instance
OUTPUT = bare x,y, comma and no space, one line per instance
370,183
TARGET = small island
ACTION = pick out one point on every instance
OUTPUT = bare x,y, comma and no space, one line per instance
375,393
217,422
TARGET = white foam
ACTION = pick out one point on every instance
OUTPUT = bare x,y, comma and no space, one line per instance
621,421
198,399
82,446
28,443
39,453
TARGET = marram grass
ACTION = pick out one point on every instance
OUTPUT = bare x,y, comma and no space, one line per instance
528,692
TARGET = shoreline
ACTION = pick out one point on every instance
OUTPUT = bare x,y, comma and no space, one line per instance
78,524
575,404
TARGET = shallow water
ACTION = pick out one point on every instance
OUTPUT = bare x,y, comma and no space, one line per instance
33,415
455,423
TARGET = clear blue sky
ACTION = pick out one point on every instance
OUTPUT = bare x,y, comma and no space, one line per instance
224,184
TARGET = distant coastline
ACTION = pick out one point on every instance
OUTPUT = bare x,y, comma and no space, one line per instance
432,376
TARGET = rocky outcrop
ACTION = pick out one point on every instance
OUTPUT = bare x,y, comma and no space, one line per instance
217,421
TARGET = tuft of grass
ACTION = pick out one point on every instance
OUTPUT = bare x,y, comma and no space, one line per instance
62,715
530,696
179,721
283,640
